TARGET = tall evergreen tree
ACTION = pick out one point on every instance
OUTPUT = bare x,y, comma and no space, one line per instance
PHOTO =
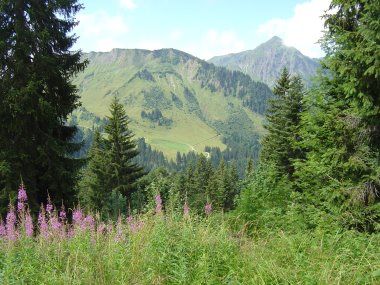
95,186
342,127
284,116
121,147
111,171
36,96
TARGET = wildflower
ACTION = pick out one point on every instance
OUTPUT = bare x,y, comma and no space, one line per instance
100,229
158,204
62,214
208,209
77,216
134,227
42,223
10,224
119,230
88,223
3,231
186,210
21,198
28,225
55,223
49,206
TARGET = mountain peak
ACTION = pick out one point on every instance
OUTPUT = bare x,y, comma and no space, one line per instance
265,62
274,40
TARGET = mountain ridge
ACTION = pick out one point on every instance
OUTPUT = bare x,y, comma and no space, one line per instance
264,63
174,99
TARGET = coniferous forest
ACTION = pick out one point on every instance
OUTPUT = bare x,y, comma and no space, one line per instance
298,203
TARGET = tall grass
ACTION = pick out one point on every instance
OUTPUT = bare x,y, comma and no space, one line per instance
176,248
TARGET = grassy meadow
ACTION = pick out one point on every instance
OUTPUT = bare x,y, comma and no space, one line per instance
175,247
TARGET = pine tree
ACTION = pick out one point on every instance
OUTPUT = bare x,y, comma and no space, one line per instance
36,96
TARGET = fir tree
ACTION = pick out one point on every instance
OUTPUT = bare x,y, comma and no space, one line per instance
36,96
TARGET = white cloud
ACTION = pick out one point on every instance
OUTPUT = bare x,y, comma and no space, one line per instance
101,31
129,4
302,30
216,42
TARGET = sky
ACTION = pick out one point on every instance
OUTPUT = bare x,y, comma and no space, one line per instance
204,28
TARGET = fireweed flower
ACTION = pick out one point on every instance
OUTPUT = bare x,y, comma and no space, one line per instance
88,223
28,223
55,223
42,223
77,216
62,214
100,229
158,204
3,231
119,230
49,206
208,209
186,210
134,227
21,198
10,225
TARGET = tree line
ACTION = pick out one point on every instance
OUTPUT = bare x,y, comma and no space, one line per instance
320,163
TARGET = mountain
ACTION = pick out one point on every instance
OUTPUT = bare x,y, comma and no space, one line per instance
176,101
265,62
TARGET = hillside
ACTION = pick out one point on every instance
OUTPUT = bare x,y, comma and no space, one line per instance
265,62
177,102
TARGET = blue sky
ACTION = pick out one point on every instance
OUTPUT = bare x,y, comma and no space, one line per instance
204,28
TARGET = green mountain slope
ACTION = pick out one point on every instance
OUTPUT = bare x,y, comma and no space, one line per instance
266,61
177,102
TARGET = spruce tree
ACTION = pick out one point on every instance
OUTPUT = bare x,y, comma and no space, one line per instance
341,130
95,187
122,149
36,97
279,146
111,171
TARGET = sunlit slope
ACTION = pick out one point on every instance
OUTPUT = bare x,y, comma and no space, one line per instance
192,96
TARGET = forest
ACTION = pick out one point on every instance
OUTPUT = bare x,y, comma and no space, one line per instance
299,205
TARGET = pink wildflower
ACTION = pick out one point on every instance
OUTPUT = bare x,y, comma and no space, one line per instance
77,216
119,230
134,227
10,224
62,214
100,229
3,231
158,204
55,223
186,210
49,206
28,225
88,223
42,223
208,209
21,198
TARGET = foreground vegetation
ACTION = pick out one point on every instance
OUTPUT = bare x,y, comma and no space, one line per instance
177,248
